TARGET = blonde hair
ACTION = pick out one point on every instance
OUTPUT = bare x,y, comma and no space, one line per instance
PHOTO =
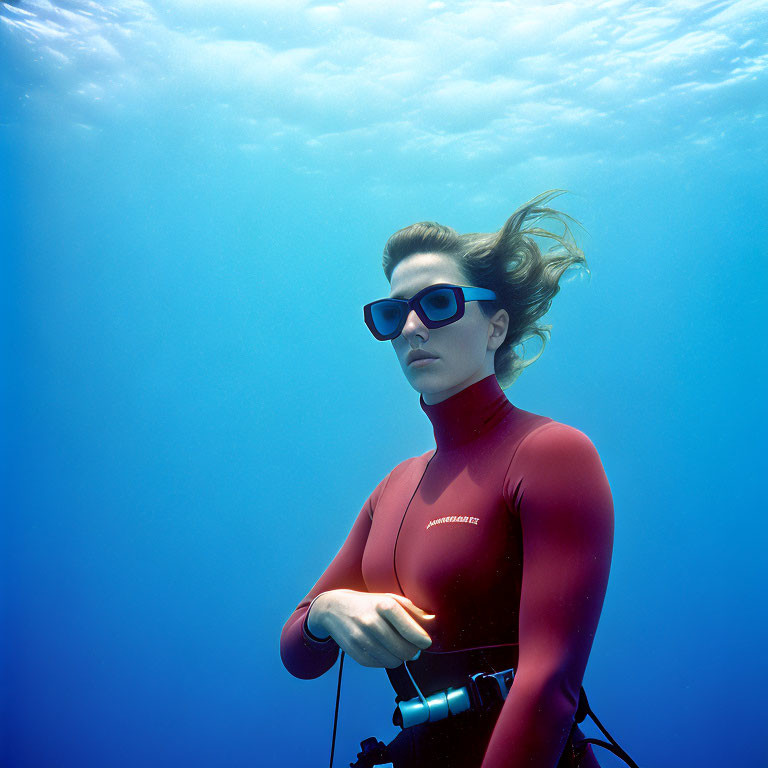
508,262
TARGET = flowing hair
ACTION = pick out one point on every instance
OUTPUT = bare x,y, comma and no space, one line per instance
508,262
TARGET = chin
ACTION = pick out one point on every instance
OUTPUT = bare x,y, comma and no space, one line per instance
427,383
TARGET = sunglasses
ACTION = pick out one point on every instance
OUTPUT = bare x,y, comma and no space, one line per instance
436,305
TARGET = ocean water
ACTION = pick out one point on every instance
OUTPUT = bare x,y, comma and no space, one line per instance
195,197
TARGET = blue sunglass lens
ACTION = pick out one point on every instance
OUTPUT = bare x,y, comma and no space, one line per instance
386,316
439,304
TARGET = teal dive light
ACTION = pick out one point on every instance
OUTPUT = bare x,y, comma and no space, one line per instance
435,707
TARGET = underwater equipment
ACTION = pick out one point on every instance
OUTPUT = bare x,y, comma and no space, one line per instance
481,692
475,696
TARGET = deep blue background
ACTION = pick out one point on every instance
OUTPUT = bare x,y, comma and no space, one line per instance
194,411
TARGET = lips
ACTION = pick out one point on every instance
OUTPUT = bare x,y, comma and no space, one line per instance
414,357
422,362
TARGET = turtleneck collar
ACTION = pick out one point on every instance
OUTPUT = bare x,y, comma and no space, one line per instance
468,414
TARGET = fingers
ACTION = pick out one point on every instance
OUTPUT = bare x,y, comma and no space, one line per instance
391,640
411,606
379,630
401,620
366,649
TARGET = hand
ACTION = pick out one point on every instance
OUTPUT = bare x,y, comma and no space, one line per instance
376,629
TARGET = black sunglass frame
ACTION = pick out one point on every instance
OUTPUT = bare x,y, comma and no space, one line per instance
462,294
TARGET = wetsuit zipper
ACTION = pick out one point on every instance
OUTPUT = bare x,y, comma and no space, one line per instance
407,507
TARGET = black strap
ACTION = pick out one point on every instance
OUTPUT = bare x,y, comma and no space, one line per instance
581,712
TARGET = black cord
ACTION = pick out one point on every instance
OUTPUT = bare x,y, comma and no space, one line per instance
336,713
618,751
613,746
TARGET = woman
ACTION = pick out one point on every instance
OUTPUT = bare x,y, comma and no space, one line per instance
490,552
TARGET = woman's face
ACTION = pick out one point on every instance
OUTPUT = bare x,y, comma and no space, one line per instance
463,350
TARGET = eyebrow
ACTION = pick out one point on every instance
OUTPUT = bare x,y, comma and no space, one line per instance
401,296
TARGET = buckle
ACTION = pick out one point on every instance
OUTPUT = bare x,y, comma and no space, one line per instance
373,752
491,688
504,680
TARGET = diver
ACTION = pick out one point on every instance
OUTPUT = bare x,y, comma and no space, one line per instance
474,573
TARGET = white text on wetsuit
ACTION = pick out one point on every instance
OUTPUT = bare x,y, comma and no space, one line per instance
453,519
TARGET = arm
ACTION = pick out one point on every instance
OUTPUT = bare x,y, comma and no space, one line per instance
303,655
559,488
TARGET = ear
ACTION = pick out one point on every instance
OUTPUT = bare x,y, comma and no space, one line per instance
497,329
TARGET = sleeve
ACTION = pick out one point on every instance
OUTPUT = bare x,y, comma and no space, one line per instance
304,655
559,489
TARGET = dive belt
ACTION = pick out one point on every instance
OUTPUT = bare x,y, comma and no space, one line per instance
481,692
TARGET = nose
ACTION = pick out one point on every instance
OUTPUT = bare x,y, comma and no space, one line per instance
413,326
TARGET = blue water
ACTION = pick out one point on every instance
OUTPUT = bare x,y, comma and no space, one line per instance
194,202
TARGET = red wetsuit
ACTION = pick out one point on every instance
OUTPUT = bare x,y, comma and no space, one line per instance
504,532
